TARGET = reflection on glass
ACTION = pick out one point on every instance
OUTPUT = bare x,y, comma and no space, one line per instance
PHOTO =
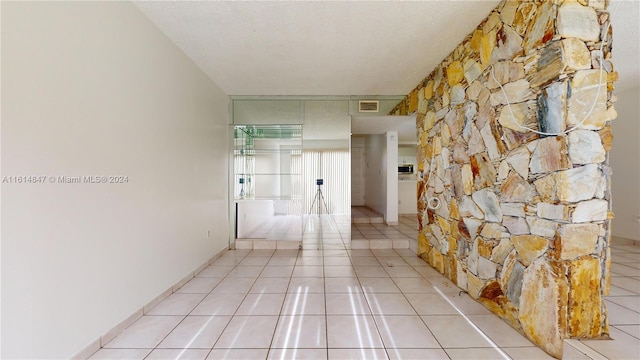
326,156
267,171
277,168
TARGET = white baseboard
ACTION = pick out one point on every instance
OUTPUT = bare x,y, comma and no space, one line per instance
98,343
616,240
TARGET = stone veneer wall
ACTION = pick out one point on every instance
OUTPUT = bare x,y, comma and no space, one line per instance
521,220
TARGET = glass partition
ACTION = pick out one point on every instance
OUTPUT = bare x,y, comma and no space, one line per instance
291,180
267,181
326,156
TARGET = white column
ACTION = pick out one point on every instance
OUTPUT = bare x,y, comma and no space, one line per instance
392,178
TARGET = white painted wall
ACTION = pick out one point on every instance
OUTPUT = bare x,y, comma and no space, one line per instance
358,162
391,217
375,172
93,88
407,197
381,184
326,120
407,194
625,162
267,168
408,154
252,213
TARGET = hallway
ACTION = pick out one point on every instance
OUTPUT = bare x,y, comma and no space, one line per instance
337,303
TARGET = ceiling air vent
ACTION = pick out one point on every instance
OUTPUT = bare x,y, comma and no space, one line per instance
368,106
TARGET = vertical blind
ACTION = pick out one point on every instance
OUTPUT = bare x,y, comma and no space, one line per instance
333,167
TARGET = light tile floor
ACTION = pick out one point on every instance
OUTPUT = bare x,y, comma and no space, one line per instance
278,227
326,232
623,306
404,230
364,215
336,303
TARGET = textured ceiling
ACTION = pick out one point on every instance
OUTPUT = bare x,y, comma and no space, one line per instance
340,47
626,42
318,47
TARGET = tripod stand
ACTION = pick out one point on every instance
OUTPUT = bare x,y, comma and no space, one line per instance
317,198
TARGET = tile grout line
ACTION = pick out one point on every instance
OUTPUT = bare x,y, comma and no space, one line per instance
284,299
200,302
326,313
394,280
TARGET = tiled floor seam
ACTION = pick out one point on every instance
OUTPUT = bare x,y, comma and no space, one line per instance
281,309
91,349
394,279
237,308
